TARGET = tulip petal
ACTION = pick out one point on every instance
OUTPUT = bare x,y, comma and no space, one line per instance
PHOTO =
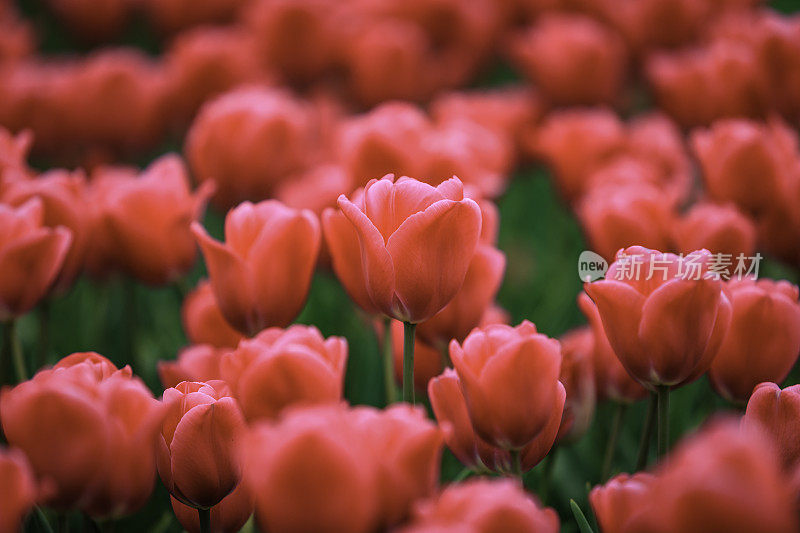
540,446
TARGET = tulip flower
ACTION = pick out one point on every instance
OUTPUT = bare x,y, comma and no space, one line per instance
509,377
19,489
282,368
763,340
777,413
146,220
228,516
261,274
203,321
196,452
723,229
478,505
64,204
200,362
617,503
85,427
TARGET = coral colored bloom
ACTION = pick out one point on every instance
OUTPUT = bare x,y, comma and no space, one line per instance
261,274
203,321
777,413
510,381
200,362
616,503
483,505
196,451
416,244
665,318
31,256
763,340
19,489
228,516
281,368
722,229
86,429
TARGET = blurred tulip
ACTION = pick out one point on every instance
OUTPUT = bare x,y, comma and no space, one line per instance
777,413
200,362
247,141
510,381
416,244
723,229
203,321
617,503
174,15
86,428
196,454
228,516
427,358
31,259
612,381
261,274
763,340
281,368
315,189
148,219
19,489
572,60
64,203
577,376
663,315
483,505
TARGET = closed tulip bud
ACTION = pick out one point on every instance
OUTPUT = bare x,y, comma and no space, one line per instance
483,505
200,362
312,472
665,318
612,381
196,452
19,489
247,141
282,368
63,197
416,244
510,381
147,220
763,340
427,358
777,413
31,258
261,274
203,321
86,429
723,229
577,376
572,59
745,162
616,503
228,516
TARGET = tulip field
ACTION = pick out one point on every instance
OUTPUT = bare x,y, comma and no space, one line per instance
400,266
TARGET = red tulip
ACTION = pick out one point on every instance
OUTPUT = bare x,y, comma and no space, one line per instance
247,141
86,428
510,381
577,376
203,320
19,489
200,362
427,358
763,340
31,258
196,454
282,368
777,413
572,59
416,244
63,197
666,318
612,381
723,229
146,220
617,503
483,505
228,516
262,273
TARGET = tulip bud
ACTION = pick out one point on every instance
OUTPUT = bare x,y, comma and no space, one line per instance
777,413
723,229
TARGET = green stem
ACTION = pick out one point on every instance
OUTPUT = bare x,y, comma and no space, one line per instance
647,433
408,361
611,444
583,524
464,474
41,519
16,352
388,363
516,463
663,420
205,520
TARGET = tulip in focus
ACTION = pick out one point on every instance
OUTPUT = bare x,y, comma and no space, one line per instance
261,274
203,321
